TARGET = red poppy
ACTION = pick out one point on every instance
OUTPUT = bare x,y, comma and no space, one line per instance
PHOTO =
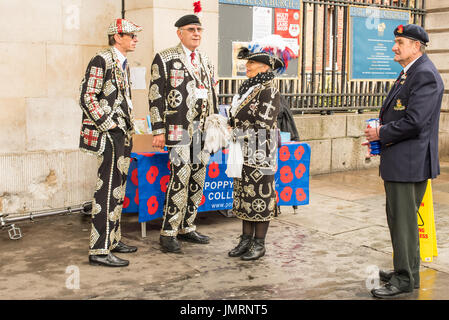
164,183
284,153
147,154
203,199
300,169
168,164
300,194
286,194
134,179
152,205
225,151
400,28
299,152
136,198
126,202
286,174
214,170
152,174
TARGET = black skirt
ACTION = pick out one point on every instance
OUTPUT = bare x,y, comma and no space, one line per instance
254,195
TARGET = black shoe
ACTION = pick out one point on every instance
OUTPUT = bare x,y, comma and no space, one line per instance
169,244
242,247
255,251
108,260
194,237
385,276
123,248
387,291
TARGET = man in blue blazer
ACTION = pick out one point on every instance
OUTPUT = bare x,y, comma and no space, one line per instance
408,133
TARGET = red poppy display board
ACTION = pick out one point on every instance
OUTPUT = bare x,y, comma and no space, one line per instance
149,174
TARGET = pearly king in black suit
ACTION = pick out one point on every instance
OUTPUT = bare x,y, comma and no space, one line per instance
181,96
106,131
103,102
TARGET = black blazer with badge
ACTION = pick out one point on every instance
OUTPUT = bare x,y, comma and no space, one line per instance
410,120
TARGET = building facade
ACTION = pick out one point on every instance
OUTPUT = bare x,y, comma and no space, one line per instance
43,63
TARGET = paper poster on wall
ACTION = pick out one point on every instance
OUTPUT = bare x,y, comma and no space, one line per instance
262,25
238,66
286,24
137,78
371,40
289,4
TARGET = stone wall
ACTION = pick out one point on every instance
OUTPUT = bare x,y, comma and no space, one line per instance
46,46
335,141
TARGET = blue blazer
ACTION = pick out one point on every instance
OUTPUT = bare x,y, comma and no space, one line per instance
410,120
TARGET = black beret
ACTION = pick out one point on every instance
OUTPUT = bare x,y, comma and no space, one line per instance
412,31
188,19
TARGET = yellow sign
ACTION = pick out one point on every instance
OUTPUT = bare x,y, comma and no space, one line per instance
426,227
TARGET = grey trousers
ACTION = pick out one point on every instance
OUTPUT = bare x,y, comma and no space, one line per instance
403,200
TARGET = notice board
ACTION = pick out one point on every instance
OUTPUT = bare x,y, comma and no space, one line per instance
371,39
236,29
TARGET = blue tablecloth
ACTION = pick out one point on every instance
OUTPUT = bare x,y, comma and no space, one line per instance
149,174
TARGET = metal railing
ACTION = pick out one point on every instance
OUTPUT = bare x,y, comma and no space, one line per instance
323,87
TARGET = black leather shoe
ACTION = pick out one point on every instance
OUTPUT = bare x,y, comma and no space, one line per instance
387,291
255,251
123,248
108,260
194,237
385,276
242,247
169,244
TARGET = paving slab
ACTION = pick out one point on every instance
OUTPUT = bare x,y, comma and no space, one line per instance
327,250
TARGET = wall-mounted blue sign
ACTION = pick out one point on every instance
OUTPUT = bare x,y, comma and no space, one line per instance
371,40
287,4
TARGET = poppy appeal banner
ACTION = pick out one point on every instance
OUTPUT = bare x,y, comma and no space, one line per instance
149,175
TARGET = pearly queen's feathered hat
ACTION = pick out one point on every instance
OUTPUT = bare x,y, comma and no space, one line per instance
272,50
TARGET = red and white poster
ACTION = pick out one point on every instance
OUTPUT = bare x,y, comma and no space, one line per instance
286,24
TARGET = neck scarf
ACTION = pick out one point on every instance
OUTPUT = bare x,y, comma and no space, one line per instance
260,78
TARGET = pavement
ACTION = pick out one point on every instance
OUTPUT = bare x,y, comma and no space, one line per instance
327,250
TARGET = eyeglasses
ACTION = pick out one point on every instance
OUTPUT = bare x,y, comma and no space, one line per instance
131,35
193,30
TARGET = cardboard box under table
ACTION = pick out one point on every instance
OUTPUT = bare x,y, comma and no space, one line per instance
149,174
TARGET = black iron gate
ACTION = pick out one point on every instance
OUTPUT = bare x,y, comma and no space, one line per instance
324,87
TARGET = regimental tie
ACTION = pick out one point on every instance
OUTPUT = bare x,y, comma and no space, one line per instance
400,76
